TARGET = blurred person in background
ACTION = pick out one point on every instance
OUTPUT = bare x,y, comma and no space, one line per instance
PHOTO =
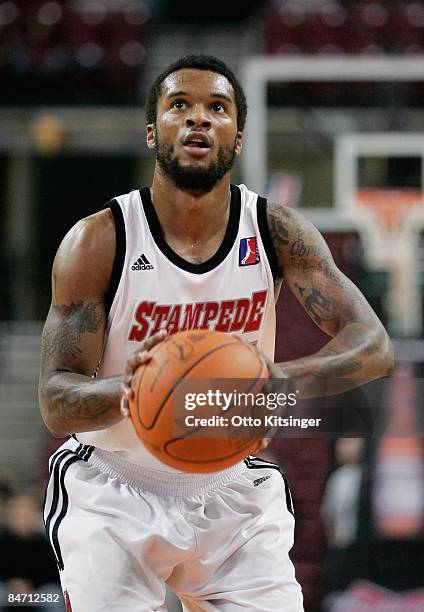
26,561
339,509
6,492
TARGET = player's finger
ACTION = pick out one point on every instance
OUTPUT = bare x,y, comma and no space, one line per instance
126,394
127,390
153,340
264,443
142,355
136,359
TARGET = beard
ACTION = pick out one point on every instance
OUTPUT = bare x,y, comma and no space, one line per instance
189,178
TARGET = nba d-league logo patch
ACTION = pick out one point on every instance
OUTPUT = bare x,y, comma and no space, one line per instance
248,252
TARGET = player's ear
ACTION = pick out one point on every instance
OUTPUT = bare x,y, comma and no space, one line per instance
150,136
238,143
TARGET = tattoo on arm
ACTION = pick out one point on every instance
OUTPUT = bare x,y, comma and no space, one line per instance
80,405
64,341
318,281
328,297
339,367
300,289
310,262
74,402
278,230
316,304
300,249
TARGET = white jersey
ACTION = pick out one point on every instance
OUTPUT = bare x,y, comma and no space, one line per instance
155,288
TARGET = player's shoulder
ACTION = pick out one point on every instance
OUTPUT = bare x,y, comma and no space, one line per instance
284,213
274,210
86,255
286,219
84,260
93,232
293,235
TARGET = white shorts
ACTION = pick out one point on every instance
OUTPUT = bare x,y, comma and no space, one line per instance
119,532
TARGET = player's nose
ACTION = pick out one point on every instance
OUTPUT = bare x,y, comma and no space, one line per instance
198,116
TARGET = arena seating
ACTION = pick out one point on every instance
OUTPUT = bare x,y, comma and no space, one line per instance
331,27
57,44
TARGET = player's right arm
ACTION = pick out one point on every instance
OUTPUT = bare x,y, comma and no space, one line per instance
71,400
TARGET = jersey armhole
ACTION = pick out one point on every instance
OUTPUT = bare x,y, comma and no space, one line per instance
120,249
266,236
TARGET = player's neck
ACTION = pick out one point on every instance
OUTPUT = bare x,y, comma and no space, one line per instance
191,214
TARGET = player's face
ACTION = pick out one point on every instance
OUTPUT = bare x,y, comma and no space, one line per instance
195,136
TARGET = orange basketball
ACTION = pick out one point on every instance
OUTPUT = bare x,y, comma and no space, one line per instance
198,362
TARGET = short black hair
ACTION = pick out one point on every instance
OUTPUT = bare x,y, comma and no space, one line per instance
200,62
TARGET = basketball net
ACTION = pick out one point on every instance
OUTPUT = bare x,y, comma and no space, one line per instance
387,220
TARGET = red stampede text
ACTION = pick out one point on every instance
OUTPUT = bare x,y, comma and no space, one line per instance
241,315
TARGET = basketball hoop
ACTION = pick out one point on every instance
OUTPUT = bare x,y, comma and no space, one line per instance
389,220
389,206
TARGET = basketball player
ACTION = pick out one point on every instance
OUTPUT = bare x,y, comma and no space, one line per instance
191,251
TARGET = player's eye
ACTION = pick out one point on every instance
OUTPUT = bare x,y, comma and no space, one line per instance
178,104
218,106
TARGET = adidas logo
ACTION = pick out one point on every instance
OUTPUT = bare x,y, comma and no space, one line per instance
142,263
258,481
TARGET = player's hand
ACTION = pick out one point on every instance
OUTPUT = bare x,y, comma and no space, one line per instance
275,373
264,443
141,356
274,370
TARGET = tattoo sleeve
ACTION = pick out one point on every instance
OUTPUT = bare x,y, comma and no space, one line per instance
62,343
71,399
359,347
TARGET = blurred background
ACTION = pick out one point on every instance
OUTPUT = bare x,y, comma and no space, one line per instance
335,93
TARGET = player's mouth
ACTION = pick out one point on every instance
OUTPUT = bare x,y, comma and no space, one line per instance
197,144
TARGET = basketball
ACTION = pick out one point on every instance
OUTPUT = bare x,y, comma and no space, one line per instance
193,361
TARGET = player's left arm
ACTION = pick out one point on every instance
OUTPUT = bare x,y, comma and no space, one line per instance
360,347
